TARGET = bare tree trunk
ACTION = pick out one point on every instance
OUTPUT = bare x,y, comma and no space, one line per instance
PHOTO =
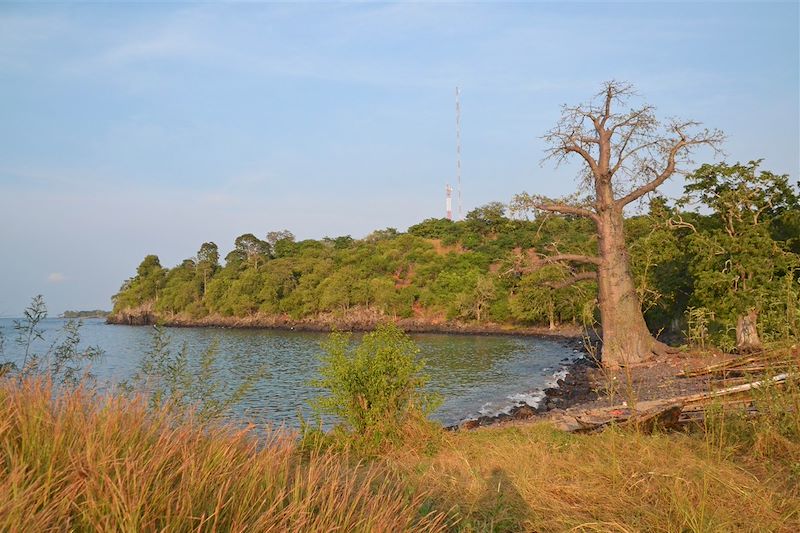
626,338
627,151
747,339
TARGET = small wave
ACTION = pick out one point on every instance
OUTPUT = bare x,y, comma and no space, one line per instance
532,398
553,382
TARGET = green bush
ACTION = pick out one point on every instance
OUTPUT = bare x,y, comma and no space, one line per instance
374,388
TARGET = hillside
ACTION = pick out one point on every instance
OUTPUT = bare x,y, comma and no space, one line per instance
486,273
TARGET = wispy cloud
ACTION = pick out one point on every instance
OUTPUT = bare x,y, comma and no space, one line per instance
56,277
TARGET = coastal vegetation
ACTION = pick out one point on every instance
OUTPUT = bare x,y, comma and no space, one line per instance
723,255
373,390
151,457
726,252
94,313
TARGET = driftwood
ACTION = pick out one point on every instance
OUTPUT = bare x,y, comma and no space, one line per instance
666,413
647,417
755,363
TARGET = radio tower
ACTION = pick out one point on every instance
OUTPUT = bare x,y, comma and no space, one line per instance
458,148
448,190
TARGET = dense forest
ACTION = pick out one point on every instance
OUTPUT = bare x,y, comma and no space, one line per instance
728,249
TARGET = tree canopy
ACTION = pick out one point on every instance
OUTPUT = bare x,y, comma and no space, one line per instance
494,267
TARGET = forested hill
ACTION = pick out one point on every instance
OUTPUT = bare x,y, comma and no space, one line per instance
479,269
488,268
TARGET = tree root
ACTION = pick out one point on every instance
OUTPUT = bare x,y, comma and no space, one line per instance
657,350
663,350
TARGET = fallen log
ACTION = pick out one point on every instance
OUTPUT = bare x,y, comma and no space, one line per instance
666,413
705,396
763,361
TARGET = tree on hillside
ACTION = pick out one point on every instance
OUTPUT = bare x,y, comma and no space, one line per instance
739,268
487,217
625,153
659,263
143,287
545,296
274,236
281,243
181,288
251,249
207,262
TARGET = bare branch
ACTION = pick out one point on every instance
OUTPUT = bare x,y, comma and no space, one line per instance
640,116
574,258
607,106
580,276
680,223
613,91
624,156
675,149
565,209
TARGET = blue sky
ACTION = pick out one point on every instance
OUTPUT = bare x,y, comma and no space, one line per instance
150,128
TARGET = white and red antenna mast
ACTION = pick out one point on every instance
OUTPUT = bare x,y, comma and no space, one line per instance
449,203
458,148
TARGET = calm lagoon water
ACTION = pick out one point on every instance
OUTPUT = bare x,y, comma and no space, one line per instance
475,374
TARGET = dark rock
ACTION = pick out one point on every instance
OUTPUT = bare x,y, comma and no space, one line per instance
523,412
574,388
552,392
469,424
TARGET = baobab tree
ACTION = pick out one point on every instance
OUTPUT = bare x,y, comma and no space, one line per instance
625,154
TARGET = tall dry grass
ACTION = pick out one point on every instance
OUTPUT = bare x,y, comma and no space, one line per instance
534,478
736,472
75,461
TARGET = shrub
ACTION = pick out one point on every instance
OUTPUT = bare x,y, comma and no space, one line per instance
374,388
64,362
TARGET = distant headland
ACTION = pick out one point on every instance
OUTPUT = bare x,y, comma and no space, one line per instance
94,313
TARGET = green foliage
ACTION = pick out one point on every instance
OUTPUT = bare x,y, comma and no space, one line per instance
94,313
142,288
659,264
737,265
207,263
541,299
440,268
435,228
171,381
250,250
741,255
375,387
697,322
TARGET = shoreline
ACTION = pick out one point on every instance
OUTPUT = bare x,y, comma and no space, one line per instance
327,324
575,388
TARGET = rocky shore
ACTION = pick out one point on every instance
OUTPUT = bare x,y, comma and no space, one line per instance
356,321
575,388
